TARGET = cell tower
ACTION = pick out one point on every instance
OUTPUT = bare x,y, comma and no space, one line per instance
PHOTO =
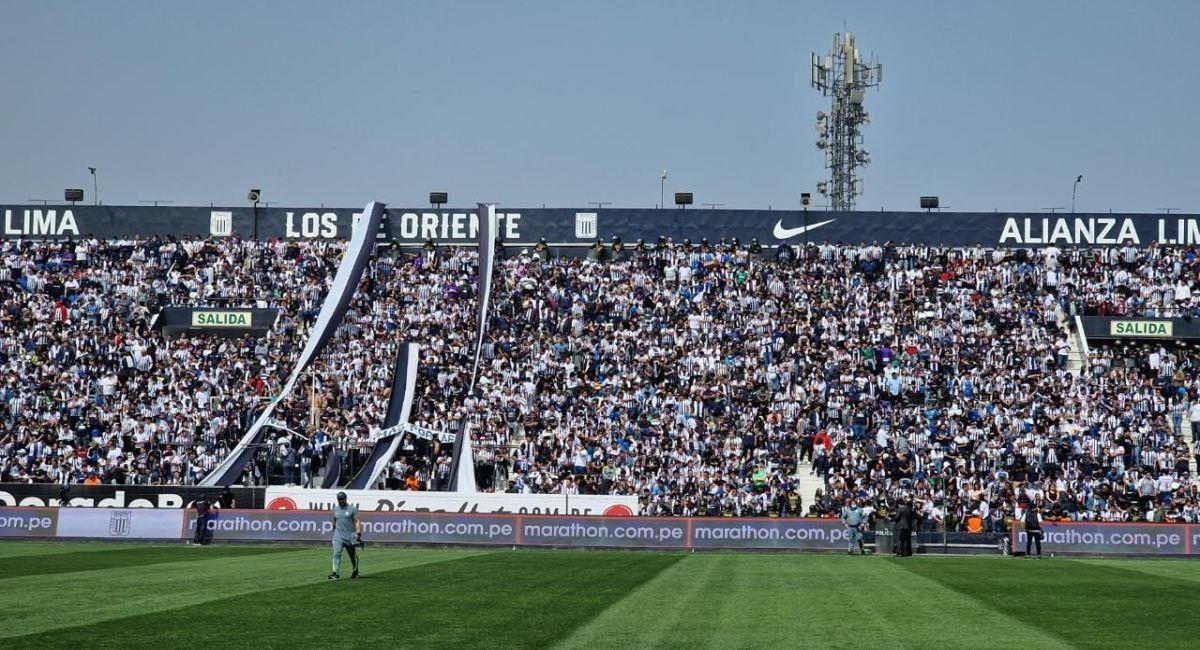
844,77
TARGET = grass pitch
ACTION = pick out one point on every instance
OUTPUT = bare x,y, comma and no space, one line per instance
88,595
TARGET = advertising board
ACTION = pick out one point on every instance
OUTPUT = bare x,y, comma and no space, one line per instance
120,523
1102,538
505,529
294,498
377,527
508,529
28,522
121,496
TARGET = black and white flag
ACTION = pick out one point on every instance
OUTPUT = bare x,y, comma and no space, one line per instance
404,384
337,301
487,260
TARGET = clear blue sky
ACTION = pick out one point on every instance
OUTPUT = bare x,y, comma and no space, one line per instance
988,104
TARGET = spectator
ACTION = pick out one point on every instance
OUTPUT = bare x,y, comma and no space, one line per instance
698,378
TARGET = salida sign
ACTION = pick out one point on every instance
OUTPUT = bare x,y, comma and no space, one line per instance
1140,328
221,319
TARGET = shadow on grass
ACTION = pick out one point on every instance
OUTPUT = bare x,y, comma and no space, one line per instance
504,599
110,558
1086,605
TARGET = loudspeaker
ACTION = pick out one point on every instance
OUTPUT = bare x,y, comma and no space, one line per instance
253,196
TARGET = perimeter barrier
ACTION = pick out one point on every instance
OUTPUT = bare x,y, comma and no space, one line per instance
1110,538
504,529
123,496
499,529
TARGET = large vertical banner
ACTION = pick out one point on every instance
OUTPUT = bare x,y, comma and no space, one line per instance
345,281
333,470
487,259
462,470
462,465
404,382
404,385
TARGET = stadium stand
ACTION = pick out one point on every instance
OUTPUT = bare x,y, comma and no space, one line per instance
708,380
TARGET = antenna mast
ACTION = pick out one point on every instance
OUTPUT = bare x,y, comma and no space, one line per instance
843,76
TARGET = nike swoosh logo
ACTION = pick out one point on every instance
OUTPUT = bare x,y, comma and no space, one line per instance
786,233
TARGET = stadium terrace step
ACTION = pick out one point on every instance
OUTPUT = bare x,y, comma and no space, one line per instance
809,483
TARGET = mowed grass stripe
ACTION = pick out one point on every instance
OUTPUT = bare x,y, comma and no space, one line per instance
9,548
957,619
36,605
115,558
738,600
1085,604
523,599
1179,569
673,596
505,599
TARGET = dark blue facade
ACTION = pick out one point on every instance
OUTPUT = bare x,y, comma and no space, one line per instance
565,226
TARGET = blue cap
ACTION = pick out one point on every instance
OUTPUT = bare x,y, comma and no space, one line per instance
341,496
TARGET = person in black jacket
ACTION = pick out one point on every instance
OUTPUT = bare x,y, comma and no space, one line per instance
202,507
227,499
904,519
1033,529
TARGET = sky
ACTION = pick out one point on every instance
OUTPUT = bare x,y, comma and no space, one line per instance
990,105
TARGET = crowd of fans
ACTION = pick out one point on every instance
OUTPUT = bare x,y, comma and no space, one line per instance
704,379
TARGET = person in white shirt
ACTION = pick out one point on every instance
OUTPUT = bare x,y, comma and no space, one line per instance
1194,420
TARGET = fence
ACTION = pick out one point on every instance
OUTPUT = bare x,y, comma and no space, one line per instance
429,528
1104,538
501,529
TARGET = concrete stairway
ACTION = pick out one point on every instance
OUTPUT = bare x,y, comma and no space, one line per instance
1186,436
809,483
1077,360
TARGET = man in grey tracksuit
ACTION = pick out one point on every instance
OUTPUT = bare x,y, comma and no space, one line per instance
347,534
853,516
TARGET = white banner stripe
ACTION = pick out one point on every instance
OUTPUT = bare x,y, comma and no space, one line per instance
487,257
